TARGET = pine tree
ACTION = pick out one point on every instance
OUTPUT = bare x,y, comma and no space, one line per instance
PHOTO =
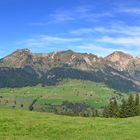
130,106
116,112
123,109
137,105
106,112
112,110
137,100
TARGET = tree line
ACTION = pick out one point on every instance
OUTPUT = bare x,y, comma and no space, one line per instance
76,109
128,108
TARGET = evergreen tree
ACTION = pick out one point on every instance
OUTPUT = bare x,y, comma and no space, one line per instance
116,112
137,105
130,106
112,110
137,100
123,109
106,112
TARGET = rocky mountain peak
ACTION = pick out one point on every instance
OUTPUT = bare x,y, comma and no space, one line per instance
137,61
84,61
17,59
118,56
21,52
120,59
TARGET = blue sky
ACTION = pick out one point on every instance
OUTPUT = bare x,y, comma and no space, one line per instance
92,26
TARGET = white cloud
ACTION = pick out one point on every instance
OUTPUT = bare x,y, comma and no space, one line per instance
85,13
125,30
122,37
99,50
124,41
100,46
51,39
92,48
61,16
130,10
47,40
128,44
83,31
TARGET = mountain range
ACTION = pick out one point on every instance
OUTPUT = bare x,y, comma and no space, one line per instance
119,70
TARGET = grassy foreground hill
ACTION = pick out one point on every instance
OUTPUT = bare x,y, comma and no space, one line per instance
25,125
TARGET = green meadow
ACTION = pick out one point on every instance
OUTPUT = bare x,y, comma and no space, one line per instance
26,125
91,93
17,123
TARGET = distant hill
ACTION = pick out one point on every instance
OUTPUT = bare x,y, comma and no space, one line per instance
118,70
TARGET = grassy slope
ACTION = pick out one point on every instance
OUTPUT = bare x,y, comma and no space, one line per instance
92,93
25,125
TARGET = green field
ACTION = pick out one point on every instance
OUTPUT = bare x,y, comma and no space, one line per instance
91,93
25,125
17,124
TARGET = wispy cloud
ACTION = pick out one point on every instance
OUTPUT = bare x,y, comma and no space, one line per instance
121,37
96,49
61,16
47,40
129,7
98,40
125,30
130,10
123,41
78,13
85,13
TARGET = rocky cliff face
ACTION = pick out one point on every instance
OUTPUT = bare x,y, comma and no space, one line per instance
118,70
22,58
120,60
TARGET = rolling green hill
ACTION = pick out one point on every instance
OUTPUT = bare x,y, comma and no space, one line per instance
76,91
25,125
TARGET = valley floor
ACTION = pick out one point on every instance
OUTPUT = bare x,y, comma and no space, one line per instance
25,125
